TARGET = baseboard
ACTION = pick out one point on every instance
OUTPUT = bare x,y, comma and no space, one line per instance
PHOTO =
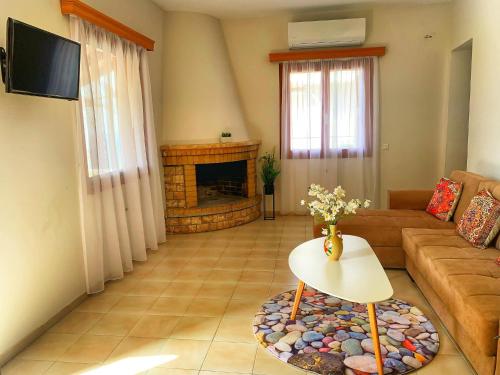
28,339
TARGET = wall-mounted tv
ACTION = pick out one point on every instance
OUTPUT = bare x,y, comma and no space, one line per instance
40,63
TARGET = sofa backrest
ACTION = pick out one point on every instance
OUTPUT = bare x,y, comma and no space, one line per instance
470,183
494,188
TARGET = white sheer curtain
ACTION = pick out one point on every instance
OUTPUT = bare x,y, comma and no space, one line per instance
329,128
121,202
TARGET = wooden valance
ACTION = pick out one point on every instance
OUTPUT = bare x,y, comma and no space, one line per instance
86,12
322,54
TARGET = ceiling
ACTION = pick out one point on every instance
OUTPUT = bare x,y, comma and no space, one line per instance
255,8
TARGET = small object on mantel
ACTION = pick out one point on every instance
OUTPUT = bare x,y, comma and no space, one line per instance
225,137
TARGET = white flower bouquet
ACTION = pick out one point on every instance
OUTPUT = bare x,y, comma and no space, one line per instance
332,206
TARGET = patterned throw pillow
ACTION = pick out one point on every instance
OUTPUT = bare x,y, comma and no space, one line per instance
480,222
445,199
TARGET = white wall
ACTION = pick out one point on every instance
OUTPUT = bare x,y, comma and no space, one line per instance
41,269
457,128
478,20
200,97
41,262
411,80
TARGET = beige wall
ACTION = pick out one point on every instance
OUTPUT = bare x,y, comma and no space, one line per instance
411,82
478,20
200,97
41,269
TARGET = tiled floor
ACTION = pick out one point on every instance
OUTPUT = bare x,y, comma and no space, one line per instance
188,311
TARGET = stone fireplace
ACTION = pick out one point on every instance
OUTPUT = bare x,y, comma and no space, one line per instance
210,186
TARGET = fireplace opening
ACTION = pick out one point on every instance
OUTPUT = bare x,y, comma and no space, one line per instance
221,183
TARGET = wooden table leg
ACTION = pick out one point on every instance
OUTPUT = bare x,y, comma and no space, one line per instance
376,342
298,296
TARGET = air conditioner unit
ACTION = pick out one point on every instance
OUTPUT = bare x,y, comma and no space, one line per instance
317,34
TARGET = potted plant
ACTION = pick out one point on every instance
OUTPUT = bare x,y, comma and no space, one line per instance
332,207
269,171
225,137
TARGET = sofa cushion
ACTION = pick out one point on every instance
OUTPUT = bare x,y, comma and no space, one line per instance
481,220
470,183
467,280
383,227
494,188
445,199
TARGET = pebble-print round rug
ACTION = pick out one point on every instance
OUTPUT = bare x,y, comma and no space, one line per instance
331,336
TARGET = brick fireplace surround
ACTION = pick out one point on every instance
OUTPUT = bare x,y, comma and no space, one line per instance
184,213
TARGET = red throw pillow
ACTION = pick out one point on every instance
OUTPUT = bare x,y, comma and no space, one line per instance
445,199
480,222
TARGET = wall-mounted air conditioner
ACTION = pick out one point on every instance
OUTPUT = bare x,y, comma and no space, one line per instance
317,34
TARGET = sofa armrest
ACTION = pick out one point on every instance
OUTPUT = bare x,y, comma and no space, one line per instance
409,199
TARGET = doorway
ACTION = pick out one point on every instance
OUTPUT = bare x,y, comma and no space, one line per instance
458,108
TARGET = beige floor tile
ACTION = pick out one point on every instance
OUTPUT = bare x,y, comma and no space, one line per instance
277,288
241,357
133,304
201,262
230,263
447,364
251,290
67,368
172,371
222,373
260,264
115,324
90,349
100,303
153,288
267,364
122,286
182,289
446,344
216,290
284,277
186,354
231,276
18,366
207,307
252,276
77,322
49,347
136,347
160,273
195,274
195,328
170,306
155,326
236,329
242,307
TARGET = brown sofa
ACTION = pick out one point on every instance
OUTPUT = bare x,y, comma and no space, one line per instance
462,283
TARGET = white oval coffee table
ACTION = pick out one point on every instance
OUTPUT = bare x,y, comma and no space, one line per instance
357,276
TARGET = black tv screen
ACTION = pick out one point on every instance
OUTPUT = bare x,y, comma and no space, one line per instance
41,63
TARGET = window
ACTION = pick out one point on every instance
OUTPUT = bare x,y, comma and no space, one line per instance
326,108
99,103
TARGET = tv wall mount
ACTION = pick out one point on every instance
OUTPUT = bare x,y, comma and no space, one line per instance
3,62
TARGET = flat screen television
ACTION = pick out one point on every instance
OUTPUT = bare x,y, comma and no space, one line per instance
40,63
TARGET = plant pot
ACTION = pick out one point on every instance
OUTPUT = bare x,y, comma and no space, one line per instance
225,139
269,189
333,245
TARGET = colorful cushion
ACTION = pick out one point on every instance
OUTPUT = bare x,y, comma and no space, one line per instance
480,222
445,199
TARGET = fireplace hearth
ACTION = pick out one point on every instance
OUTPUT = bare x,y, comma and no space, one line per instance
210,187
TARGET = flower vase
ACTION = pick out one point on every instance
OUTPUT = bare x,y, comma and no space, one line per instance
333,245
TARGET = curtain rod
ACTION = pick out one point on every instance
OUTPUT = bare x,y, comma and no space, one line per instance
86,12
318,54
